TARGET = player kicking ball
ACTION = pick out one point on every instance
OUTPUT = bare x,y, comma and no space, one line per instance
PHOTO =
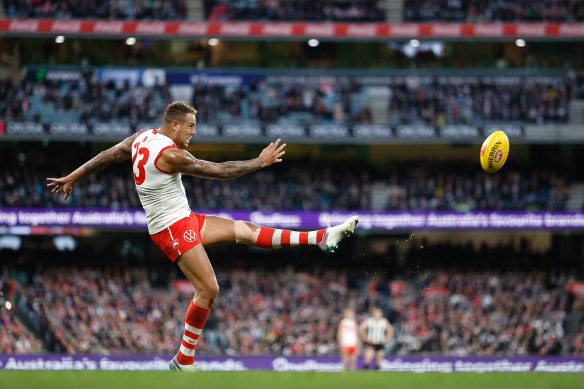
159,159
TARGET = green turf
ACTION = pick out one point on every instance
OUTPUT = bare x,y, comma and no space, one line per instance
275,380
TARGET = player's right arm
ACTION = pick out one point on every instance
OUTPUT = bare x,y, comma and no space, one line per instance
176,160
388,331
118,153
363,331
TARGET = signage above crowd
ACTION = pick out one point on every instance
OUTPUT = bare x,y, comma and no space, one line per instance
285,30
255,133
368,220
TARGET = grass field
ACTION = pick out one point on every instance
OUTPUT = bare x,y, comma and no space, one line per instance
260,379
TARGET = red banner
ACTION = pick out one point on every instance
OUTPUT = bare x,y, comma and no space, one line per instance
576,288
291,30
183,286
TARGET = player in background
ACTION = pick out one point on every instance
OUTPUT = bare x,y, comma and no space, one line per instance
348,340
159,159
375,332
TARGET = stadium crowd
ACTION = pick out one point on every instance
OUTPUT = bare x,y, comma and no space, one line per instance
300,100
15,337
431,100
103,9
83,100
484,313
295,10
295,312
449,187
105,312
302,10
294,103
493,10
442,102
307,185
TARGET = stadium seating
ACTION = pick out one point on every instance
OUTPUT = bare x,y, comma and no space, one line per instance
295,312
108,9
15,337
287,99
86,100
294,10
493,11
308,185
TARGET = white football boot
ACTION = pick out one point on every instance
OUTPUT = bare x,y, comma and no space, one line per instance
333,235
175,366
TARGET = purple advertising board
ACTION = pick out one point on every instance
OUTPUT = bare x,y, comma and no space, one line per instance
301,364
368,220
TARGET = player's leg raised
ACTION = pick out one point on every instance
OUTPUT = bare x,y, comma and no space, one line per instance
218,230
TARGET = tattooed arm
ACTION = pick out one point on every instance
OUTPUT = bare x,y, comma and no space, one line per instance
118,153
181,161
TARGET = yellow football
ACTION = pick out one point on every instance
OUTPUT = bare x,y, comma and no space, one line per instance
494,152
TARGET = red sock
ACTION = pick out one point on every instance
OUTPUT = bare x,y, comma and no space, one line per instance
270,238
194,323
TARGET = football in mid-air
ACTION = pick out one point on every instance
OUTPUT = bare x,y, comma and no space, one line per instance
494,152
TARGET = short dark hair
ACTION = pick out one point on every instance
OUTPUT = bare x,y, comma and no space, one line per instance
177,111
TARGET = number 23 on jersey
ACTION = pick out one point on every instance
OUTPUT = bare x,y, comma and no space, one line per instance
138,163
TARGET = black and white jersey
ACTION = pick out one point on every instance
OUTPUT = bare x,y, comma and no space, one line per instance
376,330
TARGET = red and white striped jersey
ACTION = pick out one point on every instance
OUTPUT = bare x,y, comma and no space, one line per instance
348,328
162,194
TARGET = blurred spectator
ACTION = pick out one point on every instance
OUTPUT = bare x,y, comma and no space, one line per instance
493,10
103,9
295,10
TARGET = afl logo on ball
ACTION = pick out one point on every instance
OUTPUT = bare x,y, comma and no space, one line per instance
498,155
190,236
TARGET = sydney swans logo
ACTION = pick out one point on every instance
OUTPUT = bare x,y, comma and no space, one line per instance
190,236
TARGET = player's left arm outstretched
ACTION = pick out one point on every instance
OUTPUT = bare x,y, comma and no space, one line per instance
176,160
118,153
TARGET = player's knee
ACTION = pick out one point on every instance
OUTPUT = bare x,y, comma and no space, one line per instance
240,230
214,290
210,291
244,232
